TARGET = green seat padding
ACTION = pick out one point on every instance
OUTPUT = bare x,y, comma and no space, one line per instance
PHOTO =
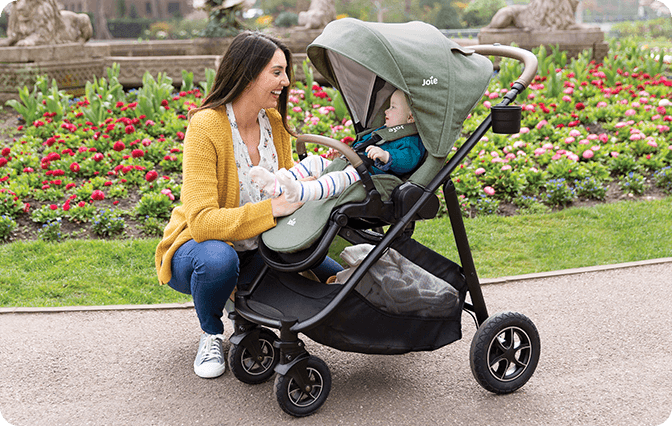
302,228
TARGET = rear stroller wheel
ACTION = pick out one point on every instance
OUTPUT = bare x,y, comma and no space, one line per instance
254,370
303,402
505,352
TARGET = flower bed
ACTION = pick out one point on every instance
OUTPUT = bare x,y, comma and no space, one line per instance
109,163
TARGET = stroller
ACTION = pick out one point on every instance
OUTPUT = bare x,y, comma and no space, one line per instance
366,62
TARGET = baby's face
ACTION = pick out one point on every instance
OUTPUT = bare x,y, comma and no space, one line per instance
398,112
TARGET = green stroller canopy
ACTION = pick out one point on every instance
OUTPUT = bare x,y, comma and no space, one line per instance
442,80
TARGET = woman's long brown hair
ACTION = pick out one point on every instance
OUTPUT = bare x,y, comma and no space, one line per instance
248,55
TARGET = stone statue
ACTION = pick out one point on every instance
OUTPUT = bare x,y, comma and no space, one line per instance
538,15
318,15
38,22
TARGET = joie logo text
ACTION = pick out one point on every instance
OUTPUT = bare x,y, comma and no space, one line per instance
430,81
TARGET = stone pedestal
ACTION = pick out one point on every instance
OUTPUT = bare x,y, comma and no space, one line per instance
571,41
71,65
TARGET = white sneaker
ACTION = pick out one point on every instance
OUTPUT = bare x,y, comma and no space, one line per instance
209,362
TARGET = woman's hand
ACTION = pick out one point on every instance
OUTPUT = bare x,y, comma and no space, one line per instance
377,153
281,207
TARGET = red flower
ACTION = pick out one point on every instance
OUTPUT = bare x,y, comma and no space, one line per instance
66,206
98,195
118,146
98,157
347,140
81,204
108,183
3,161
6,151
164,103
58,172
151,176
137,153
580,106
53,207
26,207
129,129
70,185
28,170
180,135
74,167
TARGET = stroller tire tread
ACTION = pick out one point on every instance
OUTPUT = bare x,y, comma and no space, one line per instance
505,352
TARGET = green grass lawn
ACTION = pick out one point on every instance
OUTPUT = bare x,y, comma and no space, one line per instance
109,272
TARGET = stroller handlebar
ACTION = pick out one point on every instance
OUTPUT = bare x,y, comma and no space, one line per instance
525,56
344,149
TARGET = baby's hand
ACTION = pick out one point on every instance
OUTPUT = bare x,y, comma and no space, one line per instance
377,153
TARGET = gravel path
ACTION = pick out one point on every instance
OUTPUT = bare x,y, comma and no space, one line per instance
606,346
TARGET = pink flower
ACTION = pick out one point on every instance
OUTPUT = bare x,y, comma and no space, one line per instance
489,190
168,193
652,144
601,104
479,171
614,154
566,98
97,195
487,104
541,124
524,130
630,112
180,135
149,123
569,140
297,109
587,154
146,142
506,167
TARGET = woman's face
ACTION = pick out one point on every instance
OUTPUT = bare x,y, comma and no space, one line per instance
266,88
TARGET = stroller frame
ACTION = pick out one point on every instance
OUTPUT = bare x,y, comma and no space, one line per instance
303,381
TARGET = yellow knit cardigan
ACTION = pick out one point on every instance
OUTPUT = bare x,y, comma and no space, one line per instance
210,190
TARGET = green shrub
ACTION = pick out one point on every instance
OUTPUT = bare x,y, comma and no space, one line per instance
108,222
480,12
287,19
7,225
558,193
155,205
51,231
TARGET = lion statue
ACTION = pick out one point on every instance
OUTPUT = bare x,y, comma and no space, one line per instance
37,22
318,15
538,15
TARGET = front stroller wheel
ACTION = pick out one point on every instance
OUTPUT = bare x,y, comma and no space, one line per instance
505,352
252,369
303,402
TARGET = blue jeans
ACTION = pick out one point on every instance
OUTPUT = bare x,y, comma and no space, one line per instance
210,270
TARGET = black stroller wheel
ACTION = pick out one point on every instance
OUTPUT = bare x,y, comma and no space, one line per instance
249,369
505,352
300,402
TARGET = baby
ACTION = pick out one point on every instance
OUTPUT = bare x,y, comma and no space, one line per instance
397,157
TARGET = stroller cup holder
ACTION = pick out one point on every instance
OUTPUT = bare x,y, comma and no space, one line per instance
506,119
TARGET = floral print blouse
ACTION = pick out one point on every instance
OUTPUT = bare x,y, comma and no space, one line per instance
250,192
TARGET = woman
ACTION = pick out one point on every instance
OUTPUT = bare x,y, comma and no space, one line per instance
210,243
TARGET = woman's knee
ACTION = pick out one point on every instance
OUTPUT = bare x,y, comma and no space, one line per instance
215,260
